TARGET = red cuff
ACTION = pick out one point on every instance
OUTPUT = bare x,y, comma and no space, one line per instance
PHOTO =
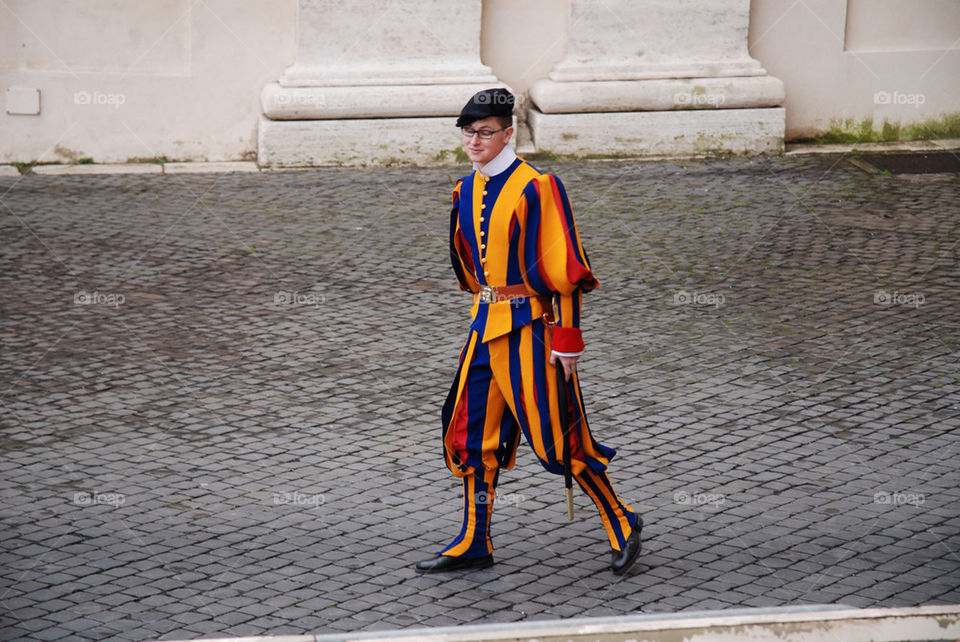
567,339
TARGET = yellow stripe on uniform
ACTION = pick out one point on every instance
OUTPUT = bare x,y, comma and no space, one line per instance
469,496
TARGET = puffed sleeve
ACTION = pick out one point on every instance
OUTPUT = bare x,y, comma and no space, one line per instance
553,258
460,255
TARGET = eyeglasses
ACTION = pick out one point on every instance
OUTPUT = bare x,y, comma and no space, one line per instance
484,134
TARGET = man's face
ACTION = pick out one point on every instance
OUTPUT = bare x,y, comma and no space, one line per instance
483,151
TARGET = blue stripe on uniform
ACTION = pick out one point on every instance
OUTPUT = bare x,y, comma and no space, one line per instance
531,256
568,217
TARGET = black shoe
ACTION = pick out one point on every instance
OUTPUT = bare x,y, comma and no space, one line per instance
625,558
442,563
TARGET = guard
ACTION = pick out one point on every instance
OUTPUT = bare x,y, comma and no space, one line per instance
514,244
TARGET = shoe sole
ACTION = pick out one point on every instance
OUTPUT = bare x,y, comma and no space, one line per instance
626,568
471,567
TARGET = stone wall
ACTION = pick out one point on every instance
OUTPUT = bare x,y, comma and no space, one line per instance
116,81
897,60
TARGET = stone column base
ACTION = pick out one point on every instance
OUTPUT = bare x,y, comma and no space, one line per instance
660,133
357,141
375,101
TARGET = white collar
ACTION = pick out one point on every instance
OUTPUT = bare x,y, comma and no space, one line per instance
499,164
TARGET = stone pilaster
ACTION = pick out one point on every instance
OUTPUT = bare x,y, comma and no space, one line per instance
374,82
657,77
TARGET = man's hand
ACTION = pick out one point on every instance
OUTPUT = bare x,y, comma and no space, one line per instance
569,364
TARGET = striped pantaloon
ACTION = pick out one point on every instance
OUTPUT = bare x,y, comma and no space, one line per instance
504,387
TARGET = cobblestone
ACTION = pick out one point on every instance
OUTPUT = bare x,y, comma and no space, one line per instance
220,405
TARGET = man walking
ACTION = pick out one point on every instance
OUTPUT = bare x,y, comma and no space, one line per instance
514,244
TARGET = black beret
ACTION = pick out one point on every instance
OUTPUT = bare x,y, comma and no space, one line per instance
486,103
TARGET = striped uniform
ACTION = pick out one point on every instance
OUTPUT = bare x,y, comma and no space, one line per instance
515,228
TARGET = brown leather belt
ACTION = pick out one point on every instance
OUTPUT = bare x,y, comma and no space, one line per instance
494,293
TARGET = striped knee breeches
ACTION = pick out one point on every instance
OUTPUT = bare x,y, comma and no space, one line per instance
504,387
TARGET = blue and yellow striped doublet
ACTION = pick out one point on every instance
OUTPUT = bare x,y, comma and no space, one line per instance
516,229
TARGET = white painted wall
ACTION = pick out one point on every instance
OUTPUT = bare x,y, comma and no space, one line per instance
120,79
893,59
839,59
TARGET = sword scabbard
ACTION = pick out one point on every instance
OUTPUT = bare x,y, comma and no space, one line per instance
564,415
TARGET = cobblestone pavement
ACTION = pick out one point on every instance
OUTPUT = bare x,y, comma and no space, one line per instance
220,399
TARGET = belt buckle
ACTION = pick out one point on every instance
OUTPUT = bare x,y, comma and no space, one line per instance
486,293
